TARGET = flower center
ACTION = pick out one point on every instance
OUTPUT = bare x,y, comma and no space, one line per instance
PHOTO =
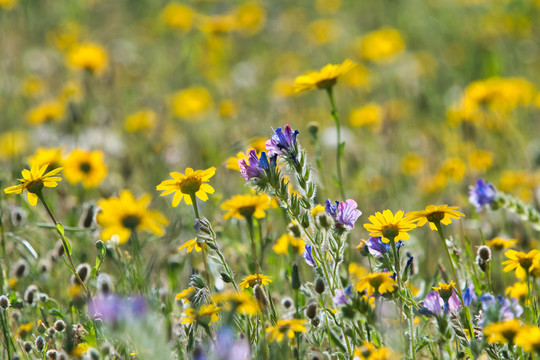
131,221
190,185
85,167
435,216
283,328
390,231
327,83
34,186
247,211
525,262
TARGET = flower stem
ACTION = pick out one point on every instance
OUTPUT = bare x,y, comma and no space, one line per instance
340,146
397,268
458,286
203,247
7,337
249,220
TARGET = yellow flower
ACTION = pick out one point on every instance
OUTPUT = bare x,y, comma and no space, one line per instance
227,109
23,330
80,349
86,167
499,243
503,332
389,226
232,162
376,283
323,31
120,216
33,182
246,206
252,280
191,184
192,244
250,17
206,314
33,86
185,295
71,92
141,121
528,338
324,79
521,262
282,327
191,103
453,168
365,350
357,271
13,143
518,290
480,160
282,244
412,164
8,4
358,77
88,56
370,116
42,156
435,214
179,16
46,111
243,302
445,290
381,45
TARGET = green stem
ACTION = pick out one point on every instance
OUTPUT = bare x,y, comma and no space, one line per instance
411,336
7,337
458,286
249,221
203,247
195,207
335,116
397,268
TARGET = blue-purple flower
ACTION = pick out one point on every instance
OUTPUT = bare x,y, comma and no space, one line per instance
482,194
344,213
340,297
113,308
434,303
378,248
308,256
255,166
283,142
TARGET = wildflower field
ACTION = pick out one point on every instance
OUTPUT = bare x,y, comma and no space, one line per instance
232,180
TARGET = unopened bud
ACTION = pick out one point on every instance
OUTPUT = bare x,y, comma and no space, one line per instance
294,229
27,346
59,325
311,311
226,278
259,294
320,286
481,263
40,343
295,277
4,302
484,252
313,128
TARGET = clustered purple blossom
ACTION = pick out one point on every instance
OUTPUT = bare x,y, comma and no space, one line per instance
482,194
434,304
255,166
283,142
114,308
378,248
507,309
308,256
344,213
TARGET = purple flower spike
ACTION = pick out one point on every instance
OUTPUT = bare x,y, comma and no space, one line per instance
308,256
282,142
254,167
481,194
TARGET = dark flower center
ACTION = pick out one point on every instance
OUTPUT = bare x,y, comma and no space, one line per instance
131,221
35,186
247,211
327,83
190,185
435,216
85,167
525,262
390,231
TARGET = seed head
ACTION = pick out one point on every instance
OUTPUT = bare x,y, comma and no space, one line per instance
4,302
40,343
311,311
484,252
59,325
320,286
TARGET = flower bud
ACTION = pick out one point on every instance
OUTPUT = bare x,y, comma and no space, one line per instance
295,277
4,302
59,325
27,346
259,294
294,229
311,311
320,286
484,253
40,343
51,354
287,303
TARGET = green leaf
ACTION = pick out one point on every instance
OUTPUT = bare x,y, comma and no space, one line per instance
60,229
56,312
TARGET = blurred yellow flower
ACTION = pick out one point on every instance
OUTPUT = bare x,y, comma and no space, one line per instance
282,244
502,332
8,4
185,295
88,56
499,243
120,216
327,6
191,103
71,91
324,79
252,280
66,35
376,283
33,86
250,17
86,167
370,116
412,164
192,244
481,160
52,110
51,156
528,336
179,16
141,121
518,290
323,31
228,109
243,302
359,77
193,183
521,262
217,24
246,206
283,87
13,143
381,45
285,327
453,168
206,314
34,180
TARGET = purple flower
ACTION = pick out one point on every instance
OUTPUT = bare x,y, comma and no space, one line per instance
255,167
307,254
510,308
469,295
453,303
345,213
227,347
481,194
113,308
433,302
377,248
282,142
340,298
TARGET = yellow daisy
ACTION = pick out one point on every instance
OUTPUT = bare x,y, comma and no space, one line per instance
119,216
245,206
521,262
243,302
51,156
192,244
499,243
88,56
528,338
435,214
324,79
206,314
445,290
86,167
252,280
191,184
33,182
282,327
376,283
503,332
185,295
389,226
